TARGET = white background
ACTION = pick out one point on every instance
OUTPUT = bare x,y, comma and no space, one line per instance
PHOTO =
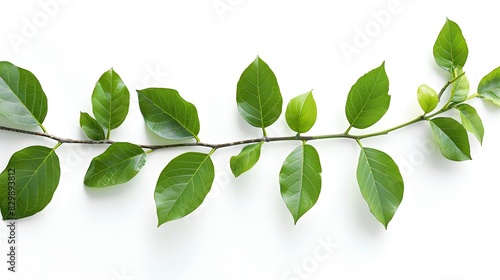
447,227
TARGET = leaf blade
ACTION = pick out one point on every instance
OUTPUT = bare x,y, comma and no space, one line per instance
471,121
450,49
118,164
452,138
37,174
91,127
461,87
258,95
300,180
489,87
183,185
381,183
301,113
246,159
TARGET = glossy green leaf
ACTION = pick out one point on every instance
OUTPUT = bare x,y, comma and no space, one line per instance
300,180
91,127
381,183
471,121
461,87
117,165
489,87
28,182
22,100
452,138
450,49
427,98
167,114
368,99
183,185
110,100
301,113
258,95
246,159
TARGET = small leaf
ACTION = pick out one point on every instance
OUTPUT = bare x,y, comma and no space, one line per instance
246,159
427,98
450,49
110,100
183,185
461,87
22,100
301,113
300,180
452,138
368,99
380,183
258,95
489,87
28,182
168,114
117,165
91,127
471,121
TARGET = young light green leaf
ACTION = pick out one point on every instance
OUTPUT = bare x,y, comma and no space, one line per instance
258,95
368,99
22,100
301,113
91,127
110,100
450,49
300,180
427,98
471,121
28,182
246,159
381,183
167,114
183,185
461,87
489,87
452,138
117,165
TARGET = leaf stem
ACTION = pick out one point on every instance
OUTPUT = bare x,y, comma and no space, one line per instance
108,136
441,92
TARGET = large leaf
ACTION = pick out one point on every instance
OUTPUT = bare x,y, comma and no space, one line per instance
28,182
300,180
450,49
91,127
22,99
452,138
380,183
110,100
368,99
471,121
258,95
183,185
301,113
117,165
246,159
489,87
461,87
168,114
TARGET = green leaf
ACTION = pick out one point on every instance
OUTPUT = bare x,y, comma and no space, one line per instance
117,165
168,114
461,87
301,113
110,100
380,183
427,98
91,127
452,138
368,99
22,100
489,87
183,185
258,95
300,180
28,182
450,49
471,121
246,159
